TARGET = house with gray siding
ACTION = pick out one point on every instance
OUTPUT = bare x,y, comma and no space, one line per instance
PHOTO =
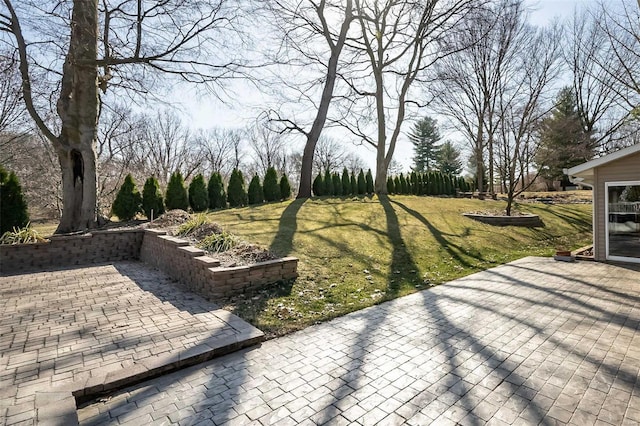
615,179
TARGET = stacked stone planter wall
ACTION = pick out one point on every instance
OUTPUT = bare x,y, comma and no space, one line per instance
204,274
72,250
528,221
186,264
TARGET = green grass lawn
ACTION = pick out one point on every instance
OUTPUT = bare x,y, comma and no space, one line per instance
359,252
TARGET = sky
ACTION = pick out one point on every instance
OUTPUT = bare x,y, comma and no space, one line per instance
205,111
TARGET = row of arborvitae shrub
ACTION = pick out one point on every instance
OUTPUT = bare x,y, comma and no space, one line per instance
13,207
199,196
429,183
332,184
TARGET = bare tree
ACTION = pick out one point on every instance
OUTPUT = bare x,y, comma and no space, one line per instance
470,79
523,99
267,149
398,40
314,35
218,146
593,63
91,45
333,155
620,24
165,146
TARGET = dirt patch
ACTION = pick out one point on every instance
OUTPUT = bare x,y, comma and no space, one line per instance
170,219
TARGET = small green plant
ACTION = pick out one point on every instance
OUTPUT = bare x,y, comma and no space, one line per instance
198,195
191,225
218,243
128,202
24,235
176,197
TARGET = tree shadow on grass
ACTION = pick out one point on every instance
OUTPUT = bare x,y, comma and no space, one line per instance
282,243
452,249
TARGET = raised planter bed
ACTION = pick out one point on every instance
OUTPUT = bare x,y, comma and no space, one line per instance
528,221
174,256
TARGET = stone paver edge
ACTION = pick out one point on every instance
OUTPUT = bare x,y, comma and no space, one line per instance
58,406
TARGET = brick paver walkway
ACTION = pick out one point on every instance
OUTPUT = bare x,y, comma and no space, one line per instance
534,341
72,325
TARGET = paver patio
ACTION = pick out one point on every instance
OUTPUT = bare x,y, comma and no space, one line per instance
533,341
72,327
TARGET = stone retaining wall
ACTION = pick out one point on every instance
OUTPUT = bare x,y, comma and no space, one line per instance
204,274
175,257
529,221
72,250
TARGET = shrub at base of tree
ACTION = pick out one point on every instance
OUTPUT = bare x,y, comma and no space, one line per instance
13,207
271,187
176,197
215,189
255,195
128,202
285,187
236,193
152,202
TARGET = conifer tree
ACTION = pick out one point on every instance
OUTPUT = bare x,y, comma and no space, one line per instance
255,194
176,197
369,182
271,187
397,185
128,201
354,184
425,137
318,186
152,202
390,187
13,207
362,184
198,195
328,183
337,185
285,187
346,182
236,192
215,190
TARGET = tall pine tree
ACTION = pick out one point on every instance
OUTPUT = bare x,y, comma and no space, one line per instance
563,141
425,137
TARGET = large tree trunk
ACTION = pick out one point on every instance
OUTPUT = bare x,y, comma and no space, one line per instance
304,190
78,110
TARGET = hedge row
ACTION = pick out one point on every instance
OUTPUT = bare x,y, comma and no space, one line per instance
429,183
198,196
333,184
